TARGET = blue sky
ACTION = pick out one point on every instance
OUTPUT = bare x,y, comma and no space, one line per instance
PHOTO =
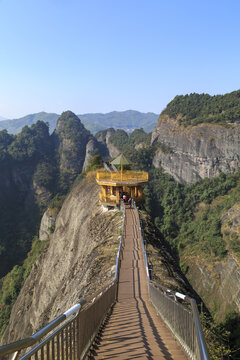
105,55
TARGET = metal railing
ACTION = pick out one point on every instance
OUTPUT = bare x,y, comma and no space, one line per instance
142,241
127,175
79,326
15,347
179,312
121,244
72,339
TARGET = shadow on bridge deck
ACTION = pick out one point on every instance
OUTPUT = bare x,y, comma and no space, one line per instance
134,330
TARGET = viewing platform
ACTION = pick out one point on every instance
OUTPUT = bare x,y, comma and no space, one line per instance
116,184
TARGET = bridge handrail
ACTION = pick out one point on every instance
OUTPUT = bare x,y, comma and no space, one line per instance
195,351
121,239
33,339
142,241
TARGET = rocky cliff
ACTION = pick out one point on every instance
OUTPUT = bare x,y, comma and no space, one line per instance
71,139
47,225
93,148
216,278
104,137
218,284
35,166
194,152
19,213
80,260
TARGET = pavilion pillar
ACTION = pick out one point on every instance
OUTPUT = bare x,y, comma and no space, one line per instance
104,192
140,193
131,192
117,196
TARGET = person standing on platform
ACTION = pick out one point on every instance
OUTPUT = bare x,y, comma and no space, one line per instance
130,202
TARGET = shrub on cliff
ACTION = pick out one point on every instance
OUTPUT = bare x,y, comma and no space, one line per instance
173,206
95,163
45,175
13,282
31,143
119,139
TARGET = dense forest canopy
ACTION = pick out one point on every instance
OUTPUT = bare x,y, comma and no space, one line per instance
23,157
126,143
195,108
32,143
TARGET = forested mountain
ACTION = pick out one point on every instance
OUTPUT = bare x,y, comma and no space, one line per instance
15,126
127,120
35,166
195,108
36,171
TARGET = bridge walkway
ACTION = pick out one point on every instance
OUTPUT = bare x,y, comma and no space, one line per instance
134,329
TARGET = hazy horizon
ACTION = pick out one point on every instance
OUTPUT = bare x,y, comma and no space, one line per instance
83,114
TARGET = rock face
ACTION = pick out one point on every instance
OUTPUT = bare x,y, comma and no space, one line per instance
104,137
47,224
79,261
217,280
42,195
71,139
164,267
16,180
92,148
17,199
195,152
218,285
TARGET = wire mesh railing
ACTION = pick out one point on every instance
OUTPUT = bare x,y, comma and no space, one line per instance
180,314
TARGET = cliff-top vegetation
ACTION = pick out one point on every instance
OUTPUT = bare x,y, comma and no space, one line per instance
195,108
174,206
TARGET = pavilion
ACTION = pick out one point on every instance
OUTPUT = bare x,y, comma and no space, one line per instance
115,181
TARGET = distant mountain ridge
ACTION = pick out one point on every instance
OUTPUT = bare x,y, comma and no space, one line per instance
127,120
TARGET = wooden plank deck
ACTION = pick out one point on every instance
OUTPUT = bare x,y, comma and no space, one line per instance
134,329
